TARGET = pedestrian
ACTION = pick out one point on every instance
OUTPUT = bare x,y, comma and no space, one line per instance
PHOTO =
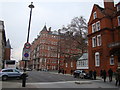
71,72
94,74
63,71
110,73
117,77
91,74
104,75
101,73
59,71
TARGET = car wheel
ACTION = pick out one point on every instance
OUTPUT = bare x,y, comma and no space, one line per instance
4,78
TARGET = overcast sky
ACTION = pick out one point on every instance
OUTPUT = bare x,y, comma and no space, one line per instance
55,13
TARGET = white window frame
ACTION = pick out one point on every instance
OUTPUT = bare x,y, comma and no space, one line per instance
97,59
98,26
66,64
94,43
93,27
99,41
112,60
118,20
94,15
71,64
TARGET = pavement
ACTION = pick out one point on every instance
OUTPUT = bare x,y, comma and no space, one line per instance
99,83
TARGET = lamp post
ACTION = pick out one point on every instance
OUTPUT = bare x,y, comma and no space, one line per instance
27,47
31,6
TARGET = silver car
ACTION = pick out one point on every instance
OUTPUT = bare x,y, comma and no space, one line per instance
10,73
79,73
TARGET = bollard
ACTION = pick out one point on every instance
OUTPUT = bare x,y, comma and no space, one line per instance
24,79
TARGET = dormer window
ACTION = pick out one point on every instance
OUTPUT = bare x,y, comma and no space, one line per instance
94,15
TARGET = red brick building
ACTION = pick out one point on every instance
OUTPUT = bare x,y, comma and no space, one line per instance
44,50
53,51
68,51
8,51
104,37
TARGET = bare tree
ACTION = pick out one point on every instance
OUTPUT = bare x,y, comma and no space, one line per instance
77,30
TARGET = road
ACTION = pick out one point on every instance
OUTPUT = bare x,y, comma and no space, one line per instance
40,79
41,76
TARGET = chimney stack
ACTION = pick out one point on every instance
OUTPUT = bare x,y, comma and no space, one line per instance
109,4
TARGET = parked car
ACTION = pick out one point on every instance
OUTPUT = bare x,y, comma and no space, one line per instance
10,73
80,74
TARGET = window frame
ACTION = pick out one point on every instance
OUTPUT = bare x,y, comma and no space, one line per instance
71,64
93,27
94,15
97,59
97,23
66,64
112,58
94,44
99,42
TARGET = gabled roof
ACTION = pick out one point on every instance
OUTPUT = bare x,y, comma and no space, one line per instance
44,28
8,44
84,56
99,7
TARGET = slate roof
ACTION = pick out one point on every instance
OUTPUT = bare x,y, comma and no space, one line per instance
8,44
84,56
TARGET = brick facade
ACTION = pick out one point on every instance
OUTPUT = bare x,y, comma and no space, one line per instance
104,37
44,50
49,51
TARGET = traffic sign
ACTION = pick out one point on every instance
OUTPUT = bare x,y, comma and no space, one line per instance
27,45
26,54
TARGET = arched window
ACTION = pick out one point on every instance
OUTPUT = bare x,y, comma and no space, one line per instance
97,59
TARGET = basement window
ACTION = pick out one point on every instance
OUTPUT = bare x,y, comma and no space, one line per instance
112,60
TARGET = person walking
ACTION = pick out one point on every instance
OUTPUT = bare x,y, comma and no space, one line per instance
91,74
101,73
110,73
94,74
104,75
117,77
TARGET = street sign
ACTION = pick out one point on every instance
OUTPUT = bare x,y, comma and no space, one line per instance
27,45
26,54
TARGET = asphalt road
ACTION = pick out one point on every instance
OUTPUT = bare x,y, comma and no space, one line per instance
40,79
41,76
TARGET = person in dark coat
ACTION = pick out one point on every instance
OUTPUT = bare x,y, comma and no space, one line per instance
94,74
117,77
101,71
91,74
110,73
104,75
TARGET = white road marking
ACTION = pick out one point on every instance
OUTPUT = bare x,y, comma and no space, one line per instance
65,82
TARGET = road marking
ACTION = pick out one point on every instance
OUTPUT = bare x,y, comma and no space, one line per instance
65,82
